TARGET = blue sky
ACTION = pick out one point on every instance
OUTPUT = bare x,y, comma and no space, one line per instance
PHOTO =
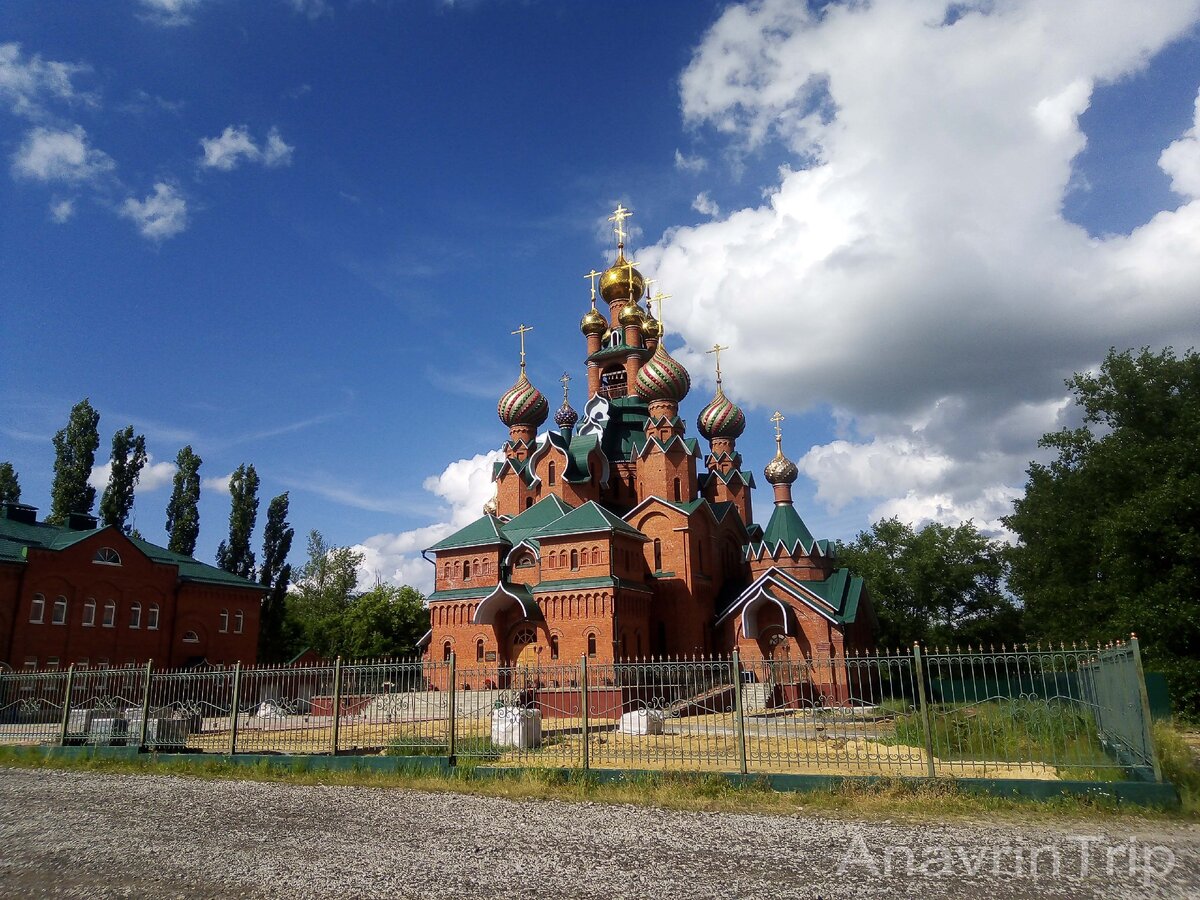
297,233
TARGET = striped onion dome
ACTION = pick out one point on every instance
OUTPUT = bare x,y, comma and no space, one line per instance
721,418
662,378
566,416
523,404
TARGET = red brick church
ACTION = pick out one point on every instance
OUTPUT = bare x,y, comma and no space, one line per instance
605,539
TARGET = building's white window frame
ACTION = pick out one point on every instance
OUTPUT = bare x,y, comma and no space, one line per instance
58,613
135,615
110,614
190,637
152,617
37,609
89,613
239,622
107,556
224,622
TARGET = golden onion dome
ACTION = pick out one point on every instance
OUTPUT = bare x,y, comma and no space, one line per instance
781,470
593,322
622,281
652,328
631,314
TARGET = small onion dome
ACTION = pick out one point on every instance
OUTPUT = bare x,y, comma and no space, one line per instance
721,418
523,404
781,470
566,417
652,329
621,281
662,378
491,507
631,314
593,322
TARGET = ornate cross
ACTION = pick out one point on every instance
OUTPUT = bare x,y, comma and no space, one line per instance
777,418
521,330
717,348
566,379
659,298
620,214
593,275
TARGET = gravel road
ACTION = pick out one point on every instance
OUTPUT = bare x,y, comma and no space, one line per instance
78,834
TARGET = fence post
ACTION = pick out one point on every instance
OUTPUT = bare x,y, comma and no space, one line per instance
919,670
66,714
452,712
235,703
583,707
146,707
337,705
1147,723
739,714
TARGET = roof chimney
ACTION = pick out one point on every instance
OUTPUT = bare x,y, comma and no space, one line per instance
20,512
78,521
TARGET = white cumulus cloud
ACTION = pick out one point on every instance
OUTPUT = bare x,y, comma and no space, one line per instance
154,475
464,486
27,83
912,268
161,215
217,483
62,210
705,205
171,13
235,146
692,164
51,154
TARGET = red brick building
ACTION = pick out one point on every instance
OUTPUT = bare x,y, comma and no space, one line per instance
605,539
93,596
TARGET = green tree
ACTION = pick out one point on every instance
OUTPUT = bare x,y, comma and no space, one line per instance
74,455
1110,529
276,575
323,592
127,459
236,556
183,513
941,585
10,487
386,620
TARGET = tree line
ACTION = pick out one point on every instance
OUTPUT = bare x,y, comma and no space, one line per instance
1107,535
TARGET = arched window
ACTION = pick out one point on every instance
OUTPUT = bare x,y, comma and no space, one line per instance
678,490
239,622
224,621
595,556
37,610
446,571
591,644
528,502
554,646
107,556
657,555
479,650
446,651
59,616
152,617
574,560
190,637
525,561
89,612
466,569
135,616
550,473
110,614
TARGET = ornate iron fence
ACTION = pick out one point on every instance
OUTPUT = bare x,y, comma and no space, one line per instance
1065,713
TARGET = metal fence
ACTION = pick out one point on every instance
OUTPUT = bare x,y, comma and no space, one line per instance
1065,713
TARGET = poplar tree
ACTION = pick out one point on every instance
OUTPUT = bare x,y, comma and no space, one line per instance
183,514
74,455
275,574
127,460
10,488
236,555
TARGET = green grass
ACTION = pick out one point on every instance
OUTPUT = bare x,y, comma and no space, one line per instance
1179,765
885,798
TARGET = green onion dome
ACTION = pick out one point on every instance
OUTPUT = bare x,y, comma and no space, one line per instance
523,404
721,418
662,378
593,322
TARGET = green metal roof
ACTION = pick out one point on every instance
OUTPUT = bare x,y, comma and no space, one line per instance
470,593
571,584
621,351
589,518
538,516
16,537
785,528
484,531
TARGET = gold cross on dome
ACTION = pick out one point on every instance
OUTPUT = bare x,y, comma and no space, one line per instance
593,275
620,214
659,298
566,379
777,418
717,348
522,330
